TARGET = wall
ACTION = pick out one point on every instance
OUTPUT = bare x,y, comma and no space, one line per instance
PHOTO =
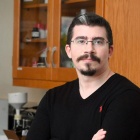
6,46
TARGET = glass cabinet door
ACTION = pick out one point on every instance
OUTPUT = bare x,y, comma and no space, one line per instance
31,39
33,34
66,11
69,9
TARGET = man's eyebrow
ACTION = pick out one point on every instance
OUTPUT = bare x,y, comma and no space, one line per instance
85,37
98,38
81,37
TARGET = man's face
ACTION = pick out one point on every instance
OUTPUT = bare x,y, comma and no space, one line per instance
89,59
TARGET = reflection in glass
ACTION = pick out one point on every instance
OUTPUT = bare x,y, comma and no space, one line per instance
69,9
33,34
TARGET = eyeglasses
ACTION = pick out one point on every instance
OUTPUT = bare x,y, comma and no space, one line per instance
99,42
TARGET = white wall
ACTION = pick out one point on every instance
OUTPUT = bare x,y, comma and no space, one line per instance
6,48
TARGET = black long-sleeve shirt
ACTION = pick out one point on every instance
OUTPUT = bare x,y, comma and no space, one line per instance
64,115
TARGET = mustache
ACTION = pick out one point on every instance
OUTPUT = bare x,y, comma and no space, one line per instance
92,56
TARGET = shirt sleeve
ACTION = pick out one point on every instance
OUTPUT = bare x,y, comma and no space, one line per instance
122,117
40,128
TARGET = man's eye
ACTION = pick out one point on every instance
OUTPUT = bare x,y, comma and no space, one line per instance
98,42
81,41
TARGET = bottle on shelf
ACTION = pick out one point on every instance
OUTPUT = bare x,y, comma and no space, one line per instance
39,31
35,32
42,59
42,30
83,11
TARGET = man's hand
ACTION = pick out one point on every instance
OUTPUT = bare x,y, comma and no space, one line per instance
100,135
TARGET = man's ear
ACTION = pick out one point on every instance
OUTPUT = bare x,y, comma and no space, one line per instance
111,48
68,50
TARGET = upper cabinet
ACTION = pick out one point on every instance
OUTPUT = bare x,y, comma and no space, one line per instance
123,16
40,29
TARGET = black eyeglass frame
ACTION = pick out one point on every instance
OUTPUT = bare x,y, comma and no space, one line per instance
92,41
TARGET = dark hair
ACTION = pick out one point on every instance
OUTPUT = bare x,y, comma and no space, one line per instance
90,19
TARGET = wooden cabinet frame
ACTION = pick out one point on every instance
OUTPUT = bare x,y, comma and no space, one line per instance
125,60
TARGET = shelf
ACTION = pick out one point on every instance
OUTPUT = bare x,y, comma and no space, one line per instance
36,40
76,6
74,1
35,6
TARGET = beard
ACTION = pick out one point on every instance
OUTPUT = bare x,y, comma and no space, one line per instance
90,71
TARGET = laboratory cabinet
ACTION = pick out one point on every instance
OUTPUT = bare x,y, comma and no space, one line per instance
40,29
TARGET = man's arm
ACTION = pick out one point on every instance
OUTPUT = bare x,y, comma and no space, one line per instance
122,117
40,128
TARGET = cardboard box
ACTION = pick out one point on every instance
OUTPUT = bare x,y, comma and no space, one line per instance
12,135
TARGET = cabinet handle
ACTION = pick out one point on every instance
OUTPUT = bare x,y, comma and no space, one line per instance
53,50
47,51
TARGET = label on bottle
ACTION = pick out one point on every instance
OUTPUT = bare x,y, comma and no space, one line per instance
35,34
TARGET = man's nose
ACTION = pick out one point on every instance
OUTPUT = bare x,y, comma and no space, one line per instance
89,47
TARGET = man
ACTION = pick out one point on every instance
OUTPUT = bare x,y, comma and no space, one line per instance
98,99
